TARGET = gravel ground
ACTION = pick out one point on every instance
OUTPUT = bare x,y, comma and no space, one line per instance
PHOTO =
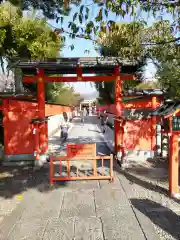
150,196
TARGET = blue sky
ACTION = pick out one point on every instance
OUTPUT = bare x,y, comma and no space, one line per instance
81,45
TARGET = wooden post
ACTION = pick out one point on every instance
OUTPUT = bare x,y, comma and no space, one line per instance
174,166
43,143
153,125
118,103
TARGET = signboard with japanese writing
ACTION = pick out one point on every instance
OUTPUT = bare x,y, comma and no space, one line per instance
81,150
176,123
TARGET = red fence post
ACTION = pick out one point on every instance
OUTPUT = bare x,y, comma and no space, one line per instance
174,166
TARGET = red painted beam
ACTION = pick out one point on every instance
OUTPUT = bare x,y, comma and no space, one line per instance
124,77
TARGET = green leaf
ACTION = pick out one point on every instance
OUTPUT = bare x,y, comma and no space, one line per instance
62,19
69,25
73,27
71,47
106,12
81,9
63,38
100,16
80,18
76,30
89,27
75,16
87,13
57,19
108,4
95,29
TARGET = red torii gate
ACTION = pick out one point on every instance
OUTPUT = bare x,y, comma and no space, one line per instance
41,72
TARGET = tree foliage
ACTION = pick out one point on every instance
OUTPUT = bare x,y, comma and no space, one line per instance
115,43
82,25
63,94
26,36
166,58
164,55
30,37
168,75
148,85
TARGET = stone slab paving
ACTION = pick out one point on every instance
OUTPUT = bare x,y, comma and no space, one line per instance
87,132
83,214
7,206
90,209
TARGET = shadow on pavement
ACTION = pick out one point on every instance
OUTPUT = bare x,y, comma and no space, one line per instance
161,216
152,186
145,184
14,181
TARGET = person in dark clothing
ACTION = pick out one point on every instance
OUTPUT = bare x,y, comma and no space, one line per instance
65,116
83,114
64,130
104,118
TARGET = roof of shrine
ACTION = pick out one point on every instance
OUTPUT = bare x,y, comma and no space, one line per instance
91,65
18,96
142,93
167,108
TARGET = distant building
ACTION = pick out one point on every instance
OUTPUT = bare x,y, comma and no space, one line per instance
87,103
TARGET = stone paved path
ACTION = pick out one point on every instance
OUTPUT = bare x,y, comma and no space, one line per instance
88,132
93,210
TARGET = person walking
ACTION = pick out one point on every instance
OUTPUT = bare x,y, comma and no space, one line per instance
104,118
81,115
85,114
64,130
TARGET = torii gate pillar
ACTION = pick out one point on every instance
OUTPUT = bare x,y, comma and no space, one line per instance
118,133
43,142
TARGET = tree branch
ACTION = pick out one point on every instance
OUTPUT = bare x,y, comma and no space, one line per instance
162,42
171,3
83,36
143,44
